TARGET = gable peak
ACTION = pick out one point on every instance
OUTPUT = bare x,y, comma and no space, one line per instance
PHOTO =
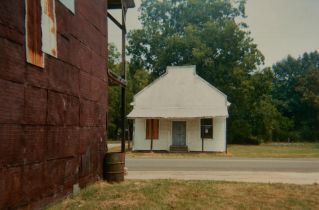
178,69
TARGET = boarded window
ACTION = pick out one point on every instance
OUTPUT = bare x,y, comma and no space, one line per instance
48,25
33,33
41,33
152,128
206,128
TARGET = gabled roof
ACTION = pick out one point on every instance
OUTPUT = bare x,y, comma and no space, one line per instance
179,93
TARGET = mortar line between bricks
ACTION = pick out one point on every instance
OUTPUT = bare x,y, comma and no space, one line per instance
26,84
64,36
14,42
23,164
7,166
72,65
86,46
77,68
62,158
58,91
13,81
8,25
63,93
96,27
75,96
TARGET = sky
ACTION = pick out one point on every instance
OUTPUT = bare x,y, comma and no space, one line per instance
278,27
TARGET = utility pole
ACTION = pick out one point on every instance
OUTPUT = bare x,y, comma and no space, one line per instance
123,92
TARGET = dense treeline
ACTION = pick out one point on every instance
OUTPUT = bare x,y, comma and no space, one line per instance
279,103
296,96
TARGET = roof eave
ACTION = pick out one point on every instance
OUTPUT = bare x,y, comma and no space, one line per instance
117,4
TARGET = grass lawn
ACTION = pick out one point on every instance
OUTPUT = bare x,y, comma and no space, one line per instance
280,150
272,150
171,194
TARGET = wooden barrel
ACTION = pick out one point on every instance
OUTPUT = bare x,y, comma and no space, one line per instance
113,167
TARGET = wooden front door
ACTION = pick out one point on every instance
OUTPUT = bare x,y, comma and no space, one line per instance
179,133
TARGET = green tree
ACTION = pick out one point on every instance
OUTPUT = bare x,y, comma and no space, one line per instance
202,32
308,88
264,114
296,94
114,94
136,80
205,33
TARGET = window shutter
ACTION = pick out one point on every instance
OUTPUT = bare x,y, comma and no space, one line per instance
152,129
212,127
155,129
148,128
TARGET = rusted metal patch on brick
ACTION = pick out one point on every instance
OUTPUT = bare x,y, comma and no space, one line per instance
49,29
69,4
33,33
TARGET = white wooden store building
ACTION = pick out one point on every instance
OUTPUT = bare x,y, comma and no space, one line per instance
180,111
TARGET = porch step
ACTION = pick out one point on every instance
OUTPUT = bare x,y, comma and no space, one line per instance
178,148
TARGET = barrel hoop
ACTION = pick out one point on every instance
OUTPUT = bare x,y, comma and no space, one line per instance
114,172
114,163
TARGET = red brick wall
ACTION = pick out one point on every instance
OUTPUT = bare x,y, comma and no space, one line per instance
52,120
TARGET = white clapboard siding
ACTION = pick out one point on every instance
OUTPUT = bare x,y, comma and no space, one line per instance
180,95
193,138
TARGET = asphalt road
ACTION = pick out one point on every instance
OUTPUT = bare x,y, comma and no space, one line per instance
223,164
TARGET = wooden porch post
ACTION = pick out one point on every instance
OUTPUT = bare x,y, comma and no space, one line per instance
152,123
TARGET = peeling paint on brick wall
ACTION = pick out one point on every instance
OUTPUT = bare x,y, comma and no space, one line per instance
33,33
41,30
48,26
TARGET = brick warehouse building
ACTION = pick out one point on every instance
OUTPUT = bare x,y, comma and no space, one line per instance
53,98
